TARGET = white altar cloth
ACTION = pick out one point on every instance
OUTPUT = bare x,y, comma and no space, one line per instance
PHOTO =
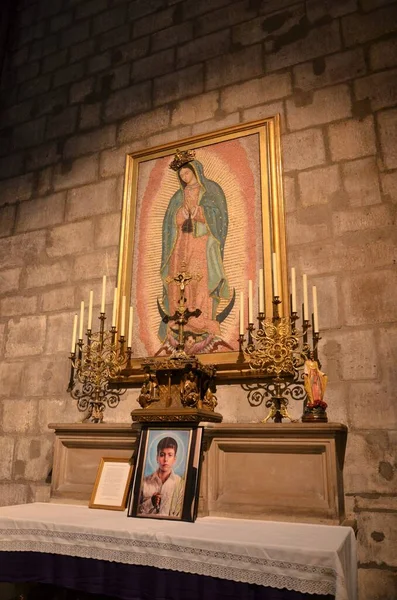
316,559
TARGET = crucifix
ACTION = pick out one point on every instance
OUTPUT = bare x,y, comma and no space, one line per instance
182,313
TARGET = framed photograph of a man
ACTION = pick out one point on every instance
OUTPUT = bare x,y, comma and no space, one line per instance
166,478
210,207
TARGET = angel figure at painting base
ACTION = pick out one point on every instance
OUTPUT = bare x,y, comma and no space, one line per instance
315,383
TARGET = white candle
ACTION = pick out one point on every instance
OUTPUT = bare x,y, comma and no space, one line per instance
130,323
250,311
73,347
114,307
241,313
261,292
275,275
103,299
122,326
293,290
89,326
81,320
315,310
305,299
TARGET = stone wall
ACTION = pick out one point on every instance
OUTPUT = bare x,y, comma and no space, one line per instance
87,81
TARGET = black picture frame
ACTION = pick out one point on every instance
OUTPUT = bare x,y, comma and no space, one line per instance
176,496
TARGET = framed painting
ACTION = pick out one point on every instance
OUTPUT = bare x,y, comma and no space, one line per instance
210,206
167,474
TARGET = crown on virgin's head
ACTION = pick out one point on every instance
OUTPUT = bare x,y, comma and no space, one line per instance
182,157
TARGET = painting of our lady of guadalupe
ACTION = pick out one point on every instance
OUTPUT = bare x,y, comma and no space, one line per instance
198,211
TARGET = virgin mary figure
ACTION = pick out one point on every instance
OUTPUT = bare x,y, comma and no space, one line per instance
193,240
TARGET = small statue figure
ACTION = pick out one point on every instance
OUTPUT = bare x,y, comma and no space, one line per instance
315,382
149,391
189,391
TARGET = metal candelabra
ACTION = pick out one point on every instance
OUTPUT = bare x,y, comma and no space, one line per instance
277,350
93,363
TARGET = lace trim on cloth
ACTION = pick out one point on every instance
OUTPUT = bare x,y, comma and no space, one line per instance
189,560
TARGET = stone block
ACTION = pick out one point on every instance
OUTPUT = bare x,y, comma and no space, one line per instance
256,91
387,340
16,113
352,139
383,54
92,7
387,121
289,189
58,299
70,174
367,298
366,217
43,181
360,27
316,108
319,186
144,125
61,21
26,336
7,452
234,67
161,19
321,9
329,315
19,416
192,9
81,50
214,124
318,41
153,66
15,250
120,77
41,212
87,143
68,74
328,70
310,226
43,275
62,124
29,134
75,34
346,254
9,280
389,186
380,89
35,87
11,376
92,199
303,149
27,71
14,493
44,47
175,35
11,165
369,462
88,266
115,37
58,410
337,398
55,61
263,111
377,539
2,338
99,62
109,19
356,354
194,110
112,162
80,90
7,219
131,101
203,48
33,455
377,584
83,292
42,156
107,230
52,102
74,238
369,402
40,492
135,49
361,181
140,8
46,377
90,116
181,84
18,305
171,135
59,331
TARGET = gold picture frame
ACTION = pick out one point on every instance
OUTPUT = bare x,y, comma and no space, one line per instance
112,484
244,162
